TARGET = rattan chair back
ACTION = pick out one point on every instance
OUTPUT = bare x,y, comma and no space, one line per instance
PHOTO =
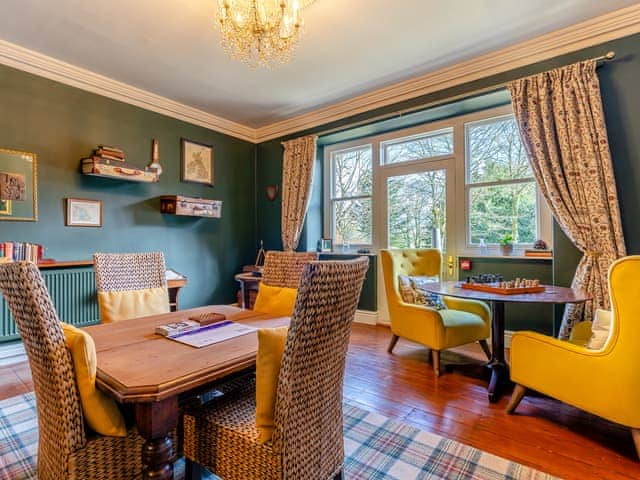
60,420
284,269
129,271
308,416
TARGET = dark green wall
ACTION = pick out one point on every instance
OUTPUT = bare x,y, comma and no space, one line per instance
61,124
519,316
621,101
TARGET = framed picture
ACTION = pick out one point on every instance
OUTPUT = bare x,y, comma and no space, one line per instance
326,245
18,186
197,163
82,212
5,207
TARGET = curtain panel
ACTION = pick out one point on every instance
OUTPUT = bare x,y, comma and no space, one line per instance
297,176
562,126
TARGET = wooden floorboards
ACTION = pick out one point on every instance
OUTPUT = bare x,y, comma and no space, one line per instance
544,433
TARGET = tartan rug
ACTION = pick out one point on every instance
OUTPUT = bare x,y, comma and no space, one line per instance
376,447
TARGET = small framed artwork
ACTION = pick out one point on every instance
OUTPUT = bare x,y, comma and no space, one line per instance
197,163
326,245
5,207
82,212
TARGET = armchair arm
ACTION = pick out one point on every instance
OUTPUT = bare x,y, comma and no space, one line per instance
568,372
471,306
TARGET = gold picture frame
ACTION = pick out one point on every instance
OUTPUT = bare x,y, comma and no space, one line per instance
5,207
18,185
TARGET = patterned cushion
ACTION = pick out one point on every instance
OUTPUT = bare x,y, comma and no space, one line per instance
412,291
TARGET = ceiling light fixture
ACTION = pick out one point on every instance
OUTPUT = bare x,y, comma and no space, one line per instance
260,32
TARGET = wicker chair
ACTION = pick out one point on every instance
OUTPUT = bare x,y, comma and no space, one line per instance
65,449
284,269
129,271
307,441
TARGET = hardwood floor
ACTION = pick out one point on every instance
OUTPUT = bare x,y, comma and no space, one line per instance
544,434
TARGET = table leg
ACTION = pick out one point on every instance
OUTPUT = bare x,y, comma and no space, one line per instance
243,294
155,420
497,364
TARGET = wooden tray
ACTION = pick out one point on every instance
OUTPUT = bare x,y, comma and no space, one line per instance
491,288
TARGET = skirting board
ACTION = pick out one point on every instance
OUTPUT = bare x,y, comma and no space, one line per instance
366,317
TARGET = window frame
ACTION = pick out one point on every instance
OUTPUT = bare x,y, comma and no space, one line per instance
455,163
329,227
469,185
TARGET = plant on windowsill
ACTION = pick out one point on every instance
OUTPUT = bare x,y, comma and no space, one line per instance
506,244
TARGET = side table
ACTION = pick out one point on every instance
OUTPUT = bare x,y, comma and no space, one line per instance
174,286
248,283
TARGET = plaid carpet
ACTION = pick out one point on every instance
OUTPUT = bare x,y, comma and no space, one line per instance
375,447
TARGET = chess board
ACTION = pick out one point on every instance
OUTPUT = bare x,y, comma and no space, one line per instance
493,288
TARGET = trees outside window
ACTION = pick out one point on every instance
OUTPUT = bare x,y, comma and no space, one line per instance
351,197
501,190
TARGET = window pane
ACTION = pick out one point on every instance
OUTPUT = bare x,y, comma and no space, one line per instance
503,209
431,145
495,152
417,209
352,172
352,220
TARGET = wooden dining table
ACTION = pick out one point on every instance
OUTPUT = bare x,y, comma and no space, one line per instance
498,364
137,367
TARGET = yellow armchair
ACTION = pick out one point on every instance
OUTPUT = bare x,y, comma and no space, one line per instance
604,382
464,321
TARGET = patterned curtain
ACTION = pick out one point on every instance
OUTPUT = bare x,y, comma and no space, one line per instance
297,174
562,126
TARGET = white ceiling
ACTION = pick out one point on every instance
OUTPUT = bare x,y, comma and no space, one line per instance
172,47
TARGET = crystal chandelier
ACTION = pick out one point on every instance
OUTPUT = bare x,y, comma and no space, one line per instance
260,32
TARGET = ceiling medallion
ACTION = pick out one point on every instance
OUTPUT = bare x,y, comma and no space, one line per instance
261,32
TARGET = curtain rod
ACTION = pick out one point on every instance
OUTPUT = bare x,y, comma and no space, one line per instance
607,57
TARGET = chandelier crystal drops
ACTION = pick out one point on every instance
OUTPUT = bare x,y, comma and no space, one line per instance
260,32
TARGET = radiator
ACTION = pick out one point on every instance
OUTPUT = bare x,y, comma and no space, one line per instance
73,291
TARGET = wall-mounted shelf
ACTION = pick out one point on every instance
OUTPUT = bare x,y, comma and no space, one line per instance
190,206
99,167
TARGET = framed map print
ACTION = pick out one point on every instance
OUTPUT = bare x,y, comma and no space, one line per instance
197,163
82,212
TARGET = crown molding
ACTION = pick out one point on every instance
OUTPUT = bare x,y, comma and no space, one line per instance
610,26
31,61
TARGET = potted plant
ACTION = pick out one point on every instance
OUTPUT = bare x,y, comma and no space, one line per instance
506,244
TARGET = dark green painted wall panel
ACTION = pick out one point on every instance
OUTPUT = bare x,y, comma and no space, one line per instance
61,124
519,317
368,299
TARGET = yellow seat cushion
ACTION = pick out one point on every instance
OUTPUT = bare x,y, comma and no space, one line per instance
123,305
100,412
271,343
278,301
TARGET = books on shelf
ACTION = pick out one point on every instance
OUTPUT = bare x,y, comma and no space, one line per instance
17,251
538,253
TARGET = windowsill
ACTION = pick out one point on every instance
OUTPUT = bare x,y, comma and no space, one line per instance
507,257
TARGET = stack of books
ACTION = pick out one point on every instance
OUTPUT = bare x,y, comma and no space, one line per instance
16,251
538,253
194,322
105,153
